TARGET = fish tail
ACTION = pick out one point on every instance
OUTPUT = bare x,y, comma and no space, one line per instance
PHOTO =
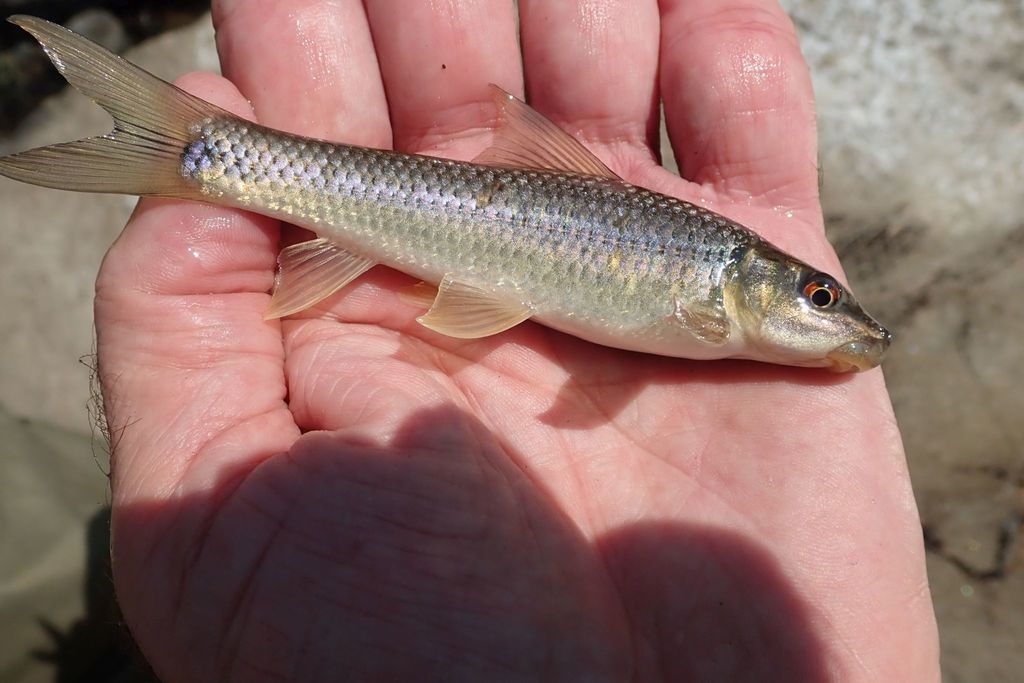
153,124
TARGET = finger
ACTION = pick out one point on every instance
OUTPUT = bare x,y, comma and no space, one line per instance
186,362
307,66
320,78
436,60
591,67
738,100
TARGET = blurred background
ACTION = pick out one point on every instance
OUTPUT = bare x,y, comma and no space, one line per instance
921,119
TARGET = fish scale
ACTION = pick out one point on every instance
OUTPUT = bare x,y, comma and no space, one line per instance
573,246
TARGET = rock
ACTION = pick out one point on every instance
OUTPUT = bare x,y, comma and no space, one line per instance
54,245
921,119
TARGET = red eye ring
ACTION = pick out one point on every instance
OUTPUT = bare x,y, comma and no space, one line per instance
822,291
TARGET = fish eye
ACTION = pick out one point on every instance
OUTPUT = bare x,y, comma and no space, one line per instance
822,291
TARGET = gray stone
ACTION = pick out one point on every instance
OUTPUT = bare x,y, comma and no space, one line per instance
921,119
53,245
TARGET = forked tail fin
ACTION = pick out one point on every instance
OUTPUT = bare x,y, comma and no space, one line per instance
152,124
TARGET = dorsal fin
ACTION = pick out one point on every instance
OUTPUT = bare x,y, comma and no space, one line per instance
525,138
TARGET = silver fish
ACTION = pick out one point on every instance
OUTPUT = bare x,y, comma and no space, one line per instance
535,228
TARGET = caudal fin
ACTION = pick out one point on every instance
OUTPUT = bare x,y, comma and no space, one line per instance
153,122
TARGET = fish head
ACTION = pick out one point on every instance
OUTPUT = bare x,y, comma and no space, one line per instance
794,314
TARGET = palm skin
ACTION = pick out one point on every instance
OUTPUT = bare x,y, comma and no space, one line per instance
347,496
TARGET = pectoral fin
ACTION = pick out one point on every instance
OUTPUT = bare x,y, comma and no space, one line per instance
525,138
309,272
467,312
708,324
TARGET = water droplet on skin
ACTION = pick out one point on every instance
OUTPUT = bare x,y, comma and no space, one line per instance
193,252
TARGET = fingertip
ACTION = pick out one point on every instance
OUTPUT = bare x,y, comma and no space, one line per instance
217,90
592,66
435,61
739,104
308,67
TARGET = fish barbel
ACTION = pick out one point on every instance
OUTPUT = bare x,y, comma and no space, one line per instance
536,227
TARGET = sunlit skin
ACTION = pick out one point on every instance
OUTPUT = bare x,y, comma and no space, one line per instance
347,495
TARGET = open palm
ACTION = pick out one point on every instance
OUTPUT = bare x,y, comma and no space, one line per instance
348,496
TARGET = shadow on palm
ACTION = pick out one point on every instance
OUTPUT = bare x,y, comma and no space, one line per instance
438,552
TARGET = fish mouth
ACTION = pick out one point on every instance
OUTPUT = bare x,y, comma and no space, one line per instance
861,355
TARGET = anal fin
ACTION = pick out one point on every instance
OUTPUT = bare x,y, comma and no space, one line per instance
467,312
309,272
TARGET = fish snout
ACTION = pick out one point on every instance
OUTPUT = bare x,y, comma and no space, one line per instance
862,354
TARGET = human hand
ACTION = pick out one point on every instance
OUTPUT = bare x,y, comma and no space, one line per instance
348,496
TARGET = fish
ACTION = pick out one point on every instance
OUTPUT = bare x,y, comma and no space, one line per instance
534,228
